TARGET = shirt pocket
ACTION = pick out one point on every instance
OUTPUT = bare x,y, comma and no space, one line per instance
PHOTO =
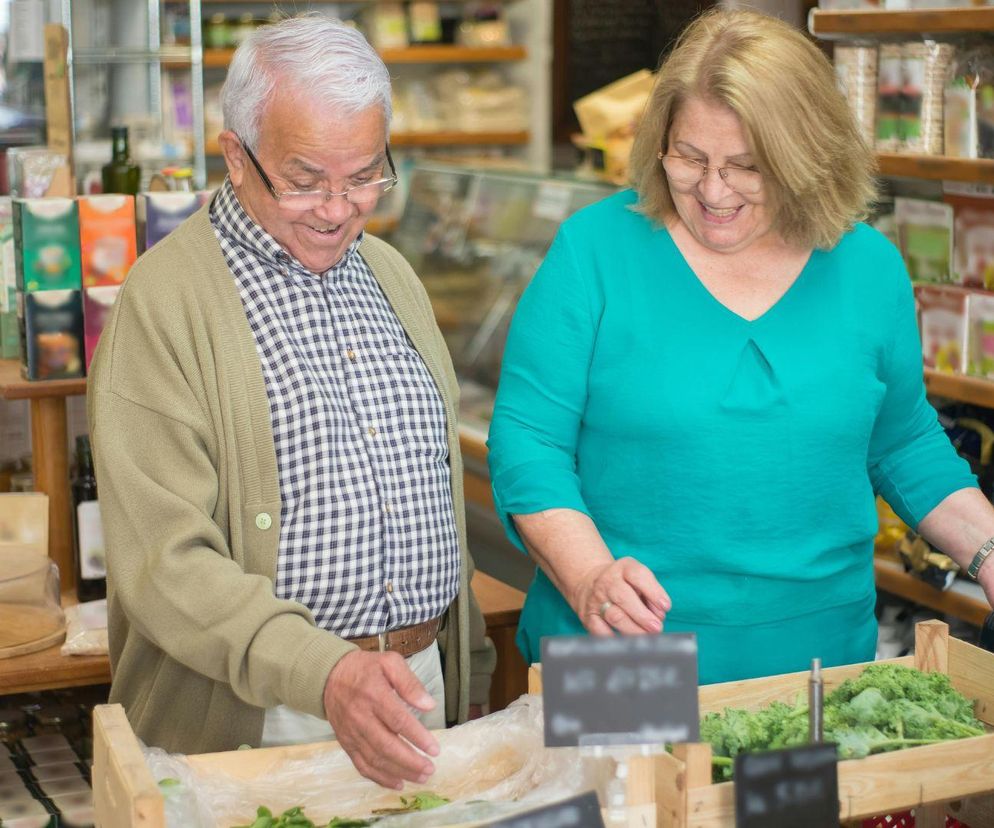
417,409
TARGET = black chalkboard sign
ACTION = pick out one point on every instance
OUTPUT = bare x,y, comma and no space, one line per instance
581,811
620,691
787,788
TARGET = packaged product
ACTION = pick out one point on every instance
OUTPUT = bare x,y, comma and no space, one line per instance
925,229
856,76
9,337
973,247
46,244
161,213
980,335
97,302
942,316
969,104
51,334
107,238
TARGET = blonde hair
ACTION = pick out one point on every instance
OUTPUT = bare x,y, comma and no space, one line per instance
817,169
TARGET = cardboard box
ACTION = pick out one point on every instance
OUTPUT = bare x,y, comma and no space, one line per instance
24,521
46,244
161,213
51,323
108,244
97,303
942,322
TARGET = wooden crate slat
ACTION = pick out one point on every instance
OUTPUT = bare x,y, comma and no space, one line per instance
123,787
751,694
971,671
889,782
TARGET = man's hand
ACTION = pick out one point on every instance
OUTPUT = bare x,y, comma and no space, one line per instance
366,700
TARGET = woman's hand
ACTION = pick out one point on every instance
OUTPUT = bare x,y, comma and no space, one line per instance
622,596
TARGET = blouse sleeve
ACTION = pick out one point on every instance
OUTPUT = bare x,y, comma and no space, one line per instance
542,392
912,463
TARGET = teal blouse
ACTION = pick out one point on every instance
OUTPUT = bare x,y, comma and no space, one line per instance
738,460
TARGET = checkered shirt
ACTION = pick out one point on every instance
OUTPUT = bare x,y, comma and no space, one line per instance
368,538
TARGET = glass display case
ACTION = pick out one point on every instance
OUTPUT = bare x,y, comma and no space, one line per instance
476,237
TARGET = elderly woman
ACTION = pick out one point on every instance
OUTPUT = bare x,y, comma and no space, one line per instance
713,374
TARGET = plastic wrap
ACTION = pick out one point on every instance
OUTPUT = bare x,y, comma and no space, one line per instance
489,767
86,629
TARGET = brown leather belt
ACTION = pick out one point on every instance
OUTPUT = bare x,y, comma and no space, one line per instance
407,640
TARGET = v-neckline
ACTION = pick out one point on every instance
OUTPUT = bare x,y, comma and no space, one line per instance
724,309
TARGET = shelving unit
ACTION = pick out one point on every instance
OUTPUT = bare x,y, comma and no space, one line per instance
50,452
153,57
882,25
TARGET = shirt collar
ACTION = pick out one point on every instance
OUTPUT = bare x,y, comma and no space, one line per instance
231,219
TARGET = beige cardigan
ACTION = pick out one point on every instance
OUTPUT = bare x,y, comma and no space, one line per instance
190,499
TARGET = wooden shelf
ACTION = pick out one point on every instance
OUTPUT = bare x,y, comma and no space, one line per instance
14,387
937,167
892,578
839,24
448,53
975,390
434,139
441,53
50,670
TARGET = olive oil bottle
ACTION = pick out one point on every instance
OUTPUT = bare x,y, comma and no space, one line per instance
88,533
121,174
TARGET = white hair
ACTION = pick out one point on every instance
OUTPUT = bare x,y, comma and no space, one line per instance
318,56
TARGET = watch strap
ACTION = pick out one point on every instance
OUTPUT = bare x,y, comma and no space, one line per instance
979,558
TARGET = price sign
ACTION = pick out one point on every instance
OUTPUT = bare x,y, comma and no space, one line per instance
620,691
581,811
787,788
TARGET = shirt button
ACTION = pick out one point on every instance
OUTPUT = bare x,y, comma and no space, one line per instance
371,431
389,586
263,521
388,509
350,354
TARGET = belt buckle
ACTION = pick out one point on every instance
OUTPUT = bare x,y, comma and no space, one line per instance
382,642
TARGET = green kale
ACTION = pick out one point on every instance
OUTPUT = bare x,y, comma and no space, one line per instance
887,707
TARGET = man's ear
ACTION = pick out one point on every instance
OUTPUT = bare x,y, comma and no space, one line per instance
234,156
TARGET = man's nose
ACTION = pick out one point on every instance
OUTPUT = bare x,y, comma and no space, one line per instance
336,209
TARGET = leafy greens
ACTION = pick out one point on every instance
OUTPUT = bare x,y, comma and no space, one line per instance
887,707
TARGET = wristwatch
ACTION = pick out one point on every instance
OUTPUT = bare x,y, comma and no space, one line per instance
979,558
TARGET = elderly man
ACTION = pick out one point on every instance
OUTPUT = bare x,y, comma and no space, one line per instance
274,422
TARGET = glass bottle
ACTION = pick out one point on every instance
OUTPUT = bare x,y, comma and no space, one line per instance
88,533
121,174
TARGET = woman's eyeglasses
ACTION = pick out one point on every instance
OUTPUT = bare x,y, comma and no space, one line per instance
687,171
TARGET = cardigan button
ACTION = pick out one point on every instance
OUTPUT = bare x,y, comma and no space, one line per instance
263,521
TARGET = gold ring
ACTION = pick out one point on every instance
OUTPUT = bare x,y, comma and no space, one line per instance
604,608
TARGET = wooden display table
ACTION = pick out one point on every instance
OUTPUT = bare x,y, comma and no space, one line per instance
50,453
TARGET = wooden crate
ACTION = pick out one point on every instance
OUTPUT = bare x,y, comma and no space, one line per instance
952,777
125,795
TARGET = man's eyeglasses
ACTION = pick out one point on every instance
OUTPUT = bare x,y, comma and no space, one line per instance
362,195
687,171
